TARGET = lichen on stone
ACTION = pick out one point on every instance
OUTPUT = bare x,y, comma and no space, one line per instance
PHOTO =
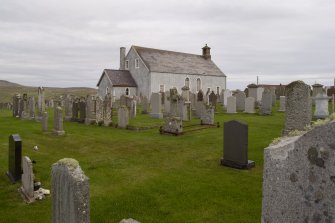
69,162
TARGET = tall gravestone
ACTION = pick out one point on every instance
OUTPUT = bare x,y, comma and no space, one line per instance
133,108
82,109
167,102
27,189
99,107
212,99
145,105
90,110
14,158
41,102
200,105
235,152
70,192
58,121
25,107
252,91
75,110
282,102
227,93
231,105
68,103
16,105
298,178
123,117
107,111
31,105
45,122
208,117
240,100
298,106
156,106
266,106
250,105
321,106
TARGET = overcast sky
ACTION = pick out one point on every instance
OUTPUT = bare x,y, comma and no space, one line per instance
68,43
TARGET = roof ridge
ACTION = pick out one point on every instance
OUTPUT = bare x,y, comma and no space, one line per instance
169,51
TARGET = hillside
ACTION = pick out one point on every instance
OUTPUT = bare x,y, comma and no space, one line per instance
8,89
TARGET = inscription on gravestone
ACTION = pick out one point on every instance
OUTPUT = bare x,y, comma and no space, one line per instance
236,146
14,158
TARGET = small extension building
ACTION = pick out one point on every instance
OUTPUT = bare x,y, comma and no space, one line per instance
146,70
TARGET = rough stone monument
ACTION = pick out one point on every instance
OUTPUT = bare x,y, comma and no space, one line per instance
235,151
123,117
207,118
298,106
58,121
299,177
266,106
14,158
70,192
240,100
172,125
16,105
250,105
231,105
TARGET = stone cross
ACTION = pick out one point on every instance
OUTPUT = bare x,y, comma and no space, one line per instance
70,192
236,146
14,158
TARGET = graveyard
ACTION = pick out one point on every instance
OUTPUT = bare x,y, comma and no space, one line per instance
144,175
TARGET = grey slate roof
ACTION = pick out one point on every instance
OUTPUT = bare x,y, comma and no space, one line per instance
164,61
119,78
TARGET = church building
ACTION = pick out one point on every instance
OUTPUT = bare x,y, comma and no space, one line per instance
146,70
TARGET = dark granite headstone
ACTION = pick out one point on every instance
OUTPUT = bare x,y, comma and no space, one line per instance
14,158
212,99
200,96
236,146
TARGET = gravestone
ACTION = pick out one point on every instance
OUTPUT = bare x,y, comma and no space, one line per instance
156,106
82,110
231,105
123,117
185,93
167,102
298,106
14,158
41,102
27,189
252,91
317,89
200,96
31,106
250,105
58,121
145,105
172,125
298,177
227,93
99,107
45,122
274,97
107,111
235,140
25,108
133,108
70,192
75,110
129,220
212,99
90,110
16,105
208,117
240,100
68,103
282,100
321,106
266,106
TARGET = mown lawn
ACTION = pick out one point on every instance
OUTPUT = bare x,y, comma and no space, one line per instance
142,174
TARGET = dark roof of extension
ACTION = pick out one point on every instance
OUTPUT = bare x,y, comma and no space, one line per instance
164,61
119,78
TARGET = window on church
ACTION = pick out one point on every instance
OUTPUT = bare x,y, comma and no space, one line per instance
198,84
161,88
127,64
137,63
187,82
127,91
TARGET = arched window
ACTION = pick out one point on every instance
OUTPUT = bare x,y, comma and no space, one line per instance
187,82
198,84
127,91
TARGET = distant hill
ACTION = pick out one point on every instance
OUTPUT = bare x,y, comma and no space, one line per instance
8,89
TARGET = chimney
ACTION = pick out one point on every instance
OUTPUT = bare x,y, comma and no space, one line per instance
206,52
122,58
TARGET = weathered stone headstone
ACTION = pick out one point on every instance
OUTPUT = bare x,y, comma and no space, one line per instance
250,105
41,102
70,192
129,220
45,122
185,93
68,103
266,106
90,110
317,89
75,110
58,121
298,106
207,118
212,99
167,102
240,100
133,108
82,110
231,104
172,125
31,106
145,105
16,105
200,96
156,106
273,95
227,93
123,117
282,100
99,110
14,158
200,109
235,140
321,106
25,107
107,111
27,189
298,178
252,91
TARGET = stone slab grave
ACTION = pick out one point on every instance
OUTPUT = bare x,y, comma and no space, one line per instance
45,121
250,105
235,142
321,106
231,105
299,177
207,118
70,192
266,105
58,122
298,110
14,158
172,125
282,101
123,117
240,100
145,105
156,106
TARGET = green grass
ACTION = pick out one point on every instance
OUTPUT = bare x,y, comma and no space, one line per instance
142,174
